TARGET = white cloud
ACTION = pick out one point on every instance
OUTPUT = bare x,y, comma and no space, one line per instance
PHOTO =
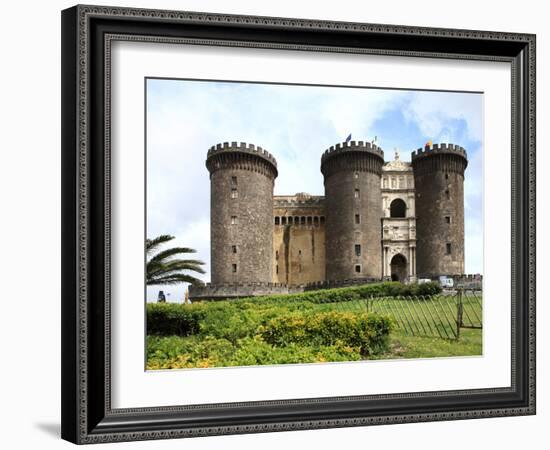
434,113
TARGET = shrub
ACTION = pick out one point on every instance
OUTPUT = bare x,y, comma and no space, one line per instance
173,319
175,352
431,288
368,332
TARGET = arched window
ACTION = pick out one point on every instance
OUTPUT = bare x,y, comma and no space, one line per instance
398,208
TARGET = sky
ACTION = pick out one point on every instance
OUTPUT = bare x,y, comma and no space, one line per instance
296,123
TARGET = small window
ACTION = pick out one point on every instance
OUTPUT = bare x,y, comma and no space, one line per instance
448,248
357,250
316,221
356,175
310,220
447,219
277,268
322,220
357,268
234,220
357,219
276,254
283,220
290,220
446,176
299,252
234,268
303,220
234,193
299,267
356,194
277,220
234,248
447,194
233,181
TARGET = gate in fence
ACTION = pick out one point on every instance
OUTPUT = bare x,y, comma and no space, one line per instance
440,316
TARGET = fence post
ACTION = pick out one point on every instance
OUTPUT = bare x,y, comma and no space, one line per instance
459,311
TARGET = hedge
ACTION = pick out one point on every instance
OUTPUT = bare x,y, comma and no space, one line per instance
174,319
368,332
386,289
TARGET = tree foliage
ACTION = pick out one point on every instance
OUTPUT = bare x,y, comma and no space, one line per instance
165,268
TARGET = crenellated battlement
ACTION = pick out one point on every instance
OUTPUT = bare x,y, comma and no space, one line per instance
241,147
352,146
299,200
438,149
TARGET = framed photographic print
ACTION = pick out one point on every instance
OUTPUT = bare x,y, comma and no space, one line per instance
277,224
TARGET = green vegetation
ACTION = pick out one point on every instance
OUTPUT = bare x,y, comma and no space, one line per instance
347,324
163,269
409,347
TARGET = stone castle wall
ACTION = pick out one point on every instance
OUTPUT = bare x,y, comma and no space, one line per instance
298,239
353,211
263,244
439,183
241,215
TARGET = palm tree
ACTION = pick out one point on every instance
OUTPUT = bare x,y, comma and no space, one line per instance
162,268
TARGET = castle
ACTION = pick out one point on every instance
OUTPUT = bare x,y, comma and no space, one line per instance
377,220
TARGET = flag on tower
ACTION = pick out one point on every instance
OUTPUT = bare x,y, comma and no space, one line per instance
348,138
429,144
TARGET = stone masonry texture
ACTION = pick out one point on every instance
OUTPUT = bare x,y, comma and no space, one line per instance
262,244
241,214
439,184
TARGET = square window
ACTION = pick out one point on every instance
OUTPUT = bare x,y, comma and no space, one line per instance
357,268
447,194
234,268
357,250
234,193
234,248
357,219
448,248
356,193
233,181
447,219
233,220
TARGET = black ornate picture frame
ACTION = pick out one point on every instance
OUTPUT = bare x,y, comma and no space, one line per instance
87,35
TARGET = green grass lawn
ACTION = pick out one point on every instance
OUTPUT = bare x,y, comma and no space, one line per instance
409,347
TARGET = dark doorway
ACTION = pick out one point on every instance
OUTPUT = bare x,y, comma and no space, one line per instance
398,208
398,266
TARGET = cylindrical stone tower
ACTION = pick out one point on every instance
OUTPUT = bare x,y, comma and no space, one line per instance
352,173
439,182
241,213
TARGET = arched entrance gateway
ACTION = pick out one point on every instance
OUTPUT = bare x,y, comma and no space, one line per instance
398,267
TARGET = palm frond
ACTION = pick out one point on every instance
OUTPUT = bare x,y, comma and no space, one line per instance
172,252
163,270
151,244
173,279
